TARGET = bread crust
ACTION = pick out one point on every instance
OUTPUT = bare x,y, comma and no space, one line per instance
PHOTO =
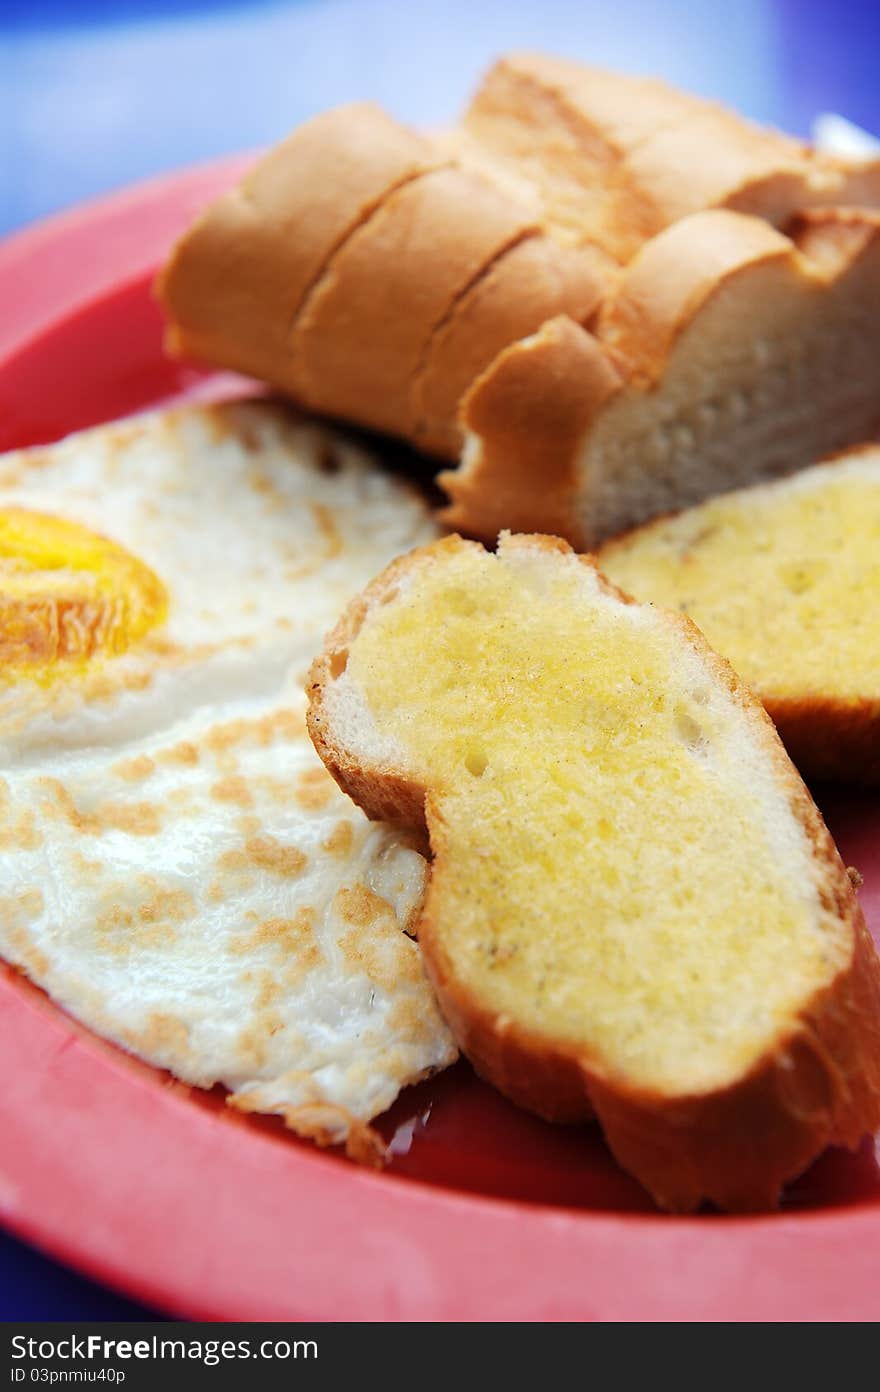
376,296
833,240
817,1084
533,281
529,413
522,117
526,417
619,158
235,281
360,337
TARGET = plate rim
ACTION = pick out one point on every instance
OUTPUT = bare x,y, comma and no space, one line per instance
377,1247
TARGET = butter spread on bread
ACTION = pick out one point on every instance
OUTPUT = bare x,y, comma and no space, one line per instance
784,579
635,909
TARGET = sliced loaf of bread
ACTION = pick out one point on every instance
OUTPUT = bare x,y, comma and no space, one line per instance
729,354
370,274
724,353
544,290
784,579
635,909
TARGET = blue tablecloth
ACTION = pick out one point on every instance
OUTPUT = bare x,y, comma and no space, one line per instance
97,93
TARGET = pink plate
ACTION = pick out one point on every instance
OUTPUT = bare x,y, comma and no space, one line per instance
485,1213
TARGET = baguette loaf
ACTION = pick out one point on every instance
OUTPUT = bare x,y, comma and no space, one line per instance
635,909
379,276
729,354
784,579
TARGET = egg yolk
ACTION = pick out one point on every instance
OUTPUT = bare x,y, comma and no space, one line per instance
68,594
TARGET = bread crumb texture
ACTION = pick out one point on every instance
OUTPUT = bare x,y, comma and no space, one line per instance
784,579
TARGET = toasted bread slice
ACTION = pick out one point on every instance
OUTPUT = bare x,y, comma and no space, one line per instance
729,354
613,159
784,579
635,908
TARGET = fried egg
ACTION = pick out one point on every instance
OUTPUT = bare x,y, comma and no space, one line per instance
178,870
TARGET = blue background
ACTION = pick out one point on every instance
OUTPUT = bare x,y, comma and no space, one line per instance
95,94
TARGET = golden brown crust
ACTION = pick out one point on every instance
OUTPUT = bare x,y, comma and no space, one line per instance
533,281
834,239
377,275
819,1084
530,411
236,279
374,274
613,110
361,335
573,159
617,158
376,295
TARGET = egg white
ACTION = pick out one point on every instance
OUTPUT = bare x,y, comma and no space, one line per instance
177,869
